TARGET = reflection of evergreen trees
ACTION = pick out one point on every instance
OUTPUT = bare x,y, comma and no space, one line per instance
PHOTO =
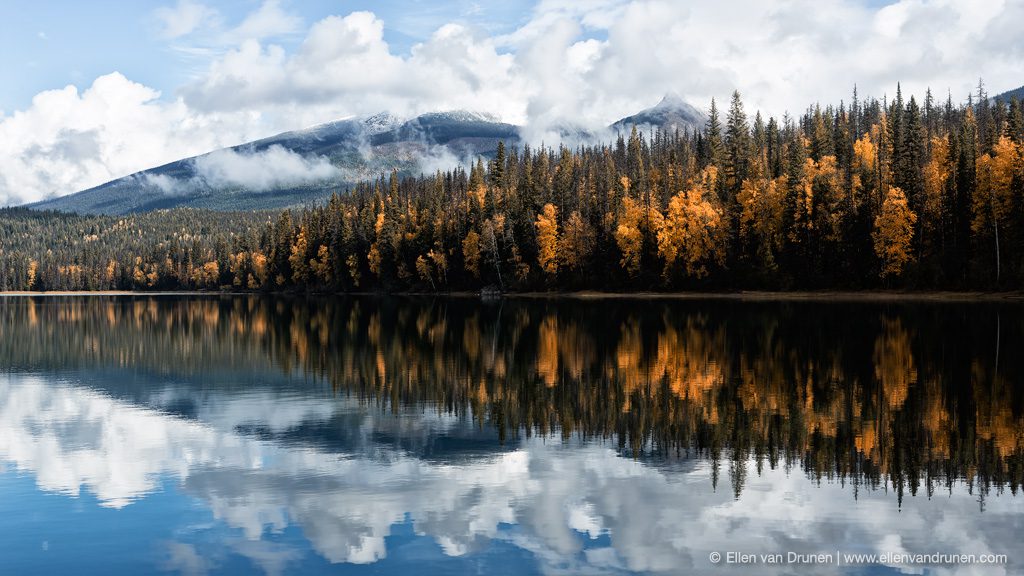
911,397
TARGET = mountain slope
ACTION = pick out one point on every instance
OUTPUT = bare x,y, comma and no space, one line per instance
669,115
1017,93
305,166
297,167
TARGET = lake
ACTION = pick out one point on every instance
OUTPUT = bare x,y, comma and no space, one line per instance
401,435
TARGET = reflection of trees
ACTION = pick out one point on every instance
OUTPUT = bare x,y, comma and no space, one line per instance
910,397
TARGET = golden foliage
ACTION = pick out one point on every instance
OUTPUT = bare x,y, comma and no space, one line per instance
762,203
547,239
865,152
692,232
577,242
207,275
471,253
423,270
628,236
260,271
936,173
894,232
300,268
374,259
321,265
819,200
33,270
994,195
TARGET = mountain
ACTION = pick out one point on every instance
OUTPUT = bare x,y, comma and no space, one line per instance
669,115
1011,94
298,167
305,166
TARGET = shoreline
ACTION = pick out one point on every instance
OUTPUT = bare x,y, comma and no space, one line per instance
743,295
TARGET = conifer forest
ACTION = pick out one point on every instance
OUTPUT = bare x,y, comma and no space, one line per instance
902,193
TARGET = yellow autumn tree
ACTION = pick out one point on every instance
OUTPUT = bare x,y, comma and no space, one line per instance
471,253
865,157
547,239
577,242
762,204
321,265
374,259
635,223
692,232
260,271
440,262
110,272
994,194
936,174
424,271
894,232
33,270
300,267
206,276
628,236
865,152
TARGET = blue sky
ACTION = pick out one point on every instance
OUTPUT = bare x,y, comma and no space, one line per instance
94,91
52,44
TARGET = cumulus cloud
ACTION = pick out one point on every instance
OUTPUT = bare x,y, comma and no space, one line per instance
565,65
70,140
345,67
592,66
263,170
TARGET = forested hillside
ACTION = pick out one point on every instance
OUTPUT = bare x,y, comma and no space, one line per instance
904,193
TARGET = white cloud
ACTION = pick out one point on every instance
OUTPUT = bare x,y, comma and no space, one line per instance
70,140
165,183
275,166
185,18
189,17
566,64
345,67
267,21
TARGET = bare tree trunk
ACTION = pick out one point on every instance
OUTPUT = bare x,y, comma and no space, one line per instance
995,223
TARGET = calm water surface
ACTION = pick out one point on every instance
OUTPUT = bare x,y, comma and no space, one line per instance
235,435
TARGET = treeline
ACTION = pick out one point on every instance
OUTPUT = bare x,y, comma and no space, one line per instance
898,193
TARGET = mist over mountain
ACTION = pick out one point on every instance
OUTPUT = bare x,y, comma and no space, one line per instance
304,166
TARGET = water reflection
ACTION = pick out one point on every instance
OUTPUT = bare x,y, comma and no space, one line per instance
595,436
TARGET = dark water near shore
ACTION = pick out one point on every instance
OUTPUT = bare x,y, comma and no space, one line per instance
235,435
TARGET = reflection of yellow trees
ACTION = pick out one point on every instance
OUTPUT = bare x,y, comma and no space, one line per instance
655,378
994,416
547,351
688,359
894,362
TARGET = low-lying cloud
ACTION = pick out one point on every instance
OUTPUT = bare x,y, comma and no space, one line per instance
264,170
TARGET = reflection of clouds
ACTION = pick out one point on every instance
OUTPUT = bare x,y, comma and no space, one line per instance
272,557
183,559
557,496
